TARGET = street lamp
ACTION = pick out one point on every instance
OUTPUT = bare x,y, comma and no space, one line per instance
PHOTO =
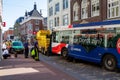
0,43
2,24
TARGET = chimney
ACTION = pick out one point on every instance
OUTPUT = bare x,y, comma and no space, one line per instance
35,6
40,12
26,14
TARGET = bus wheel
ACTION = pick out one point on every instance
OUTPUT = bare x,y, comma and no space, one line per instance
74,60
64,53
69,59
109,62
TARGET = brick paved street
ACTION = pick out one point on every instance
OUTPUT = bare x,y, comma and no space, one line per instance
27,69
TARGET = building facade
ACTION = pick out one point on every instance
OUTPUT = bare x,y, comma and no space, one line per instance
9,34
85,11
17,28
32,22
58,13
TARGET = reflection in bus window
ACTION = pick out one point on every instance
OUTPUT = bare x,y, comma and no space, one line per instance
76,39
89,40
65,39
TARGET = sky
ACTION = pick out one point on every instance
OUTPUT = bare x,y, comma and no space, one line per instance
13,9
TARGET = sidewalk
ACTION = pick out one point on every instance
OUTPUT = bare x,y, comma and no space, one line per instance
21,68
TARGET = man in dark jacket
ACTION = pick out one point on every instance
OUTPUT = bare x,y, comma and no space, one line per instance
26,46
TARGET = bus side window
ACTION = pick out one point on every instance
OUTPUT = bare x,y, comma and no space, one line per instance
76,40
65,39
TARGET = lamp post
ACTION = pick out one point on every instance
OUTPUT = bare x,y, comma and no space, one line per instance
0,43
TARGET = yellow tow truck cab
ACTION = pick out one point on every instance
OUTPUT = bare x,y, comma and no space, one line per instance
43,38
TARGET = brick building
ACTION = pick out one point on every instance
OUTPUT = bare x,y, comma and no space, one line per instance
85,11
9,34
32,22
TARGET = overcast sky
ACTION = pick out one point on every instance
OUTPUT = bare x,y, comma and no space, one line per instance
13,9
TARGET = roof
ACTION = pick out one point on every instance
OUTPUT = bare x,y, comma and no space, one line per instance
19,19
34,12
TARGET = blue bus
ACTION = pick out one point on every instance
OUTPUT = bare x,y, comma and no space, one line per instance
97,42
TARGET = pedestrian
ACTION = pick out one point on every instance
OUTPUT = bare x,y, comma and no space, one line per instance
9,46
4,45
5,53
26,47
35,52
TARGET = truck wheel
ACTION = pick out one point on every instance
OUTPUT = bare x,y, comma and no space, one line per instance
109,62
12,51
42,50
47,53
64,53
15,54
21,52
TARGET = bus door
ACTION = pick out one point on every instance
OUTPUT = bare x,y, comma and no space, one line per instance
60,40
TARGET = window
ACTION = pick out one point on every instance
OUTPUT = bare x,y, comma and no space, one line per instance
95,8
29,26
113,8
65,4
50,1
51,24
84,9
37,22
57,21
57,8
51,11
37,28
65,39
75,11
65,19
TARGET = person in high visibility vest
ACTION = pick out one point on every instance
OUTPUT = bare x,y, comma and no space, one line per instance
36,52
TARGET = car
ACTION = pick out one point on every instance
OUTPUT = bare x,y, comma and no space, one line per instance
17,46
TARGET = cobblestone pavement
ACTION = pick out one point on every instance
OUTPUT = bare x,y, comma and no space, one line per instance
81,70
27,69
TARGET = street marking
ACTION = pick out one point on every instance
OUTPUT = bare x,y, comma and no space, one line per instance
16,71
